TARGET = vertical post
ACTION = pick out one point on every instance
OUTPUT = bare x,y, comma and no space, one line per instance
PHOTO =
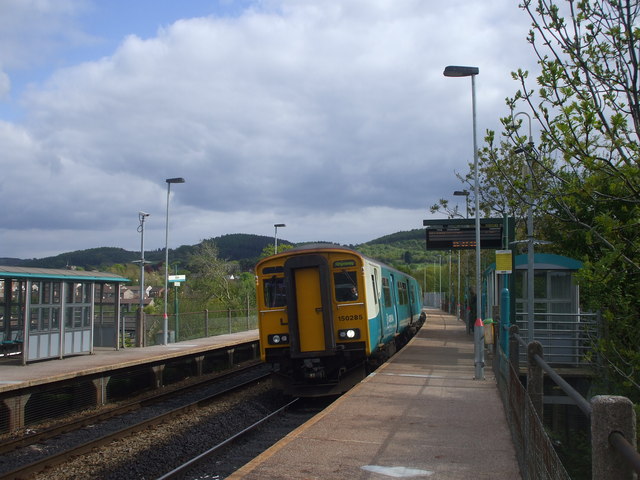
478,326
611,414
165,323
530,249
141,217
535,377
206,323
165,318
275,236
514,348
248,314
458,295
505,322
440,281
450,289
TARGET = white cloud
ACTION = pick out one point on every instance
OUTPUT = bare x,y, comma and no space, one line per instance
334,115
30,30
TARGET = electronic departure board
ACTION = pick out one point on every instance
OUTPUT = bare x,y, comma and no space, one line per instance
463,238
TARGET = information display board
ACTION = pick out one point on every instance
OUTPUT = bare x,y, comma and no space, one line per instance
456,234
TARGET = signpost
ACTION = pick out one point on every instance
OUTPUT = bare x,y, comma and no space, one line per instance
177,280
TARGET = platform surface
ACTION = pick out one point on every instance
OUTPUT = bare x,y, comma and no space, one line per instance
421,415
15,377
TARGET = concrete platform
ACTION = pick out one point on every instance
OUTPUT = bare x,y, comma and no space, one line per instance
17,377
421,415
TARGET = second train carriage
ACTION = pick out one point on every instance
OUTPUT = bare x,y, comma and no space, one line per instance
328,314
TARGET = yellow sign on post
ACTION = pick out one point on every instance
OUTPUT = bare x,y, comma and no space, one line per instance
504,261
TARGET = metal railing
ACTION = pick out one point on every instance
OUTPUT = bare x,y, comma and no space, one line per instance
567,338
613,423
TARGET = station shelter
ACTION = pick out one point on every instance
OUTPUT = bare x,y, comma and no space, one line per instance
52,313
559,325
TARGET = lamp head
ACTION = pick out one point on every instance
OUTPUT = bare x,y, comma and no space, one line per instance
459,71
175,180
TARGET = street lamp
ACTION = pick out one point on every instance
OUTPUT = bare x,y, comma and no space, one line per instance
459,71
529,148
465,194
275,237
141,217
165,325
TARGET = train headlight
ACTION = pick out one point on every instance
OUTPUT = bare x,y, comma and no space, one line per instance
349,334
278,338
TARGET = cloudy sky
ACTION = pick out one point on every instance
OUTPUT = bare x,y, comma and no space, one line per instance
330,116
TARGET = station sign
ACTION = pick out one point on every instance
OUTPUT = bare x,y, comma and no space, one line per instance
504,261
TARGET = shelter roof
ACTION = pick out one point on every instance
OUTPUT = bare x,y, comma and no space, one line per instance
34,273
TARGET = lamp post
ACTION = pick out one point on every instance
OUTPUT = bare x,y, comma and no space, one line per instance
275,237
140,318
165,324
465,194
459,71
440,281
530,253
141,217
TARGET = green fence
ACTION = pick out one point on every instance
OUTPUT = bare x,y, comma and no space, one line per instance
189,325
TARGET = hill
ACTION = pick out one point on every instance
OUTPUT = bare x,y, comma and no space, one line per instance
398,249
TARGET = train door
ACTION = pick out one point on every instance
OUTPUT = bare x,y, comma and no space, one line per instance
389,321
394,296
309,306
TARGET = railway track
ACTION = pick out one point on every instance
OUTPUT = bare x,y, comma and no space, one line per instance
197,461
165,406
38,435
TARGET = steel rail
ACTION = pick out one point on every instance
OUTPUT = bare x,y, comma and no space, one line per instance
26,471
185,467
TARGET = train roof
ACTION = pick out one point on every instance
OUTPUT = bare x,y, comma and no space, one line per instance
330,247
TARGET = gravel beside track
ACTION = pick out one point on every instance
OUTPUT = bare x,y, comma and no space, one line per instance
148,452
230,458
152,453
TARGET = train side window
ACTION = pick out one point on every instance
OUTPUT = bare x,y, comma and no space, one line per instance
375,289
346,286
275,293
386,292
402,293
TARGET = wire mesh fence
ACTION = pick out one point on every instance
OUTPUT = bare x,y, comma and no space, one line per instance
188,326
537,457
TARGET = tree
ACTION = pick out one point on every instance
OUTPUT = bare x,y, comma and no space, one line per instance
270,249
210,284
585,174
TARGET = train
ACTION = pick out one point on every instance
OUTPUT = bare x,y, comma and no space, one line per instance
328,316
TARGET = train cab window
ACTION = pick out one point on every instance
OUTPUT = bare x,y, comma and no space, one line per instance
275,293
346,286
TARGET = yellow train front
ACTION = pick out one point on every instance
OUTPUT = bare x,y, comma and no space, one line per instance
328,315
